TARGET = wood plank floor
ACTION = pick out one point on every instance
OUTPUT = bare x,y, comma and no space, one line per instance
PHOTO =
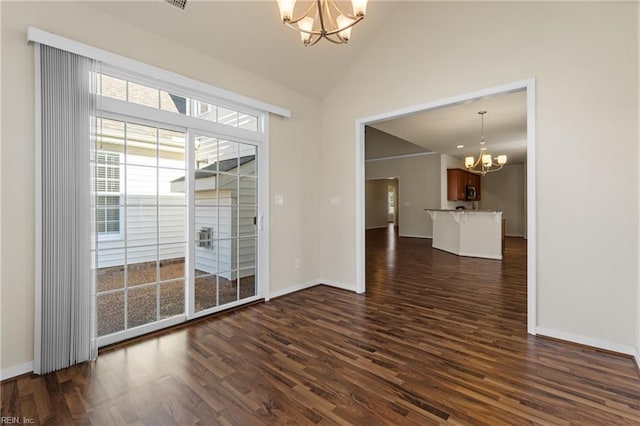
436,339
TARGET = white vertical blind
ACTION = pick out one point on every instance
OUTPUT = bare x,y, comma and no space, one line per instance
66,294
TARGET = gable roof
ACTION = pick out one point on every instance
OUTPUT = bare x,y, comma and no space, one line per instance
220,166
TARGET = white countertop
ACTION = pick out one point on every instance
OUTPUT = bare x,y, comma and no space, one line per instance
463,210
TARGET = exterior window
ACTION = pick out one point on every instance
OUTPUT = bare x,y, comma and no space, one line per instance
129,91
108,193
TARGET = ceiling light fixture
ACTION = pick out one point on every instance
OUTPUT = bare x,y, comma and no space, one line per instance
485,163
333,24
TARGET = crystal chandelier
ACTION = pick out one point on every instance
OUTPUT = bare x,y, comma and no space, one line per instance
485,163
323,19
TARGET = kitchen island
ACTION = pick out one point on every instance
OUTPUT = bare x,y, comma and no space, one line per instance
474,233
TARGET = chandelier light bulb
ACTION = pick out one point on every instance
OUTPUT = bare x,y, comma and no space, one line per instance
502,160
468,162
486,160
306,25
359,7
344,22
286,9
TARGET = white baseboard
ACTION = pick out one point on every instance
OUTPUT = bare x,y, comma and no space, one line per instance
309,284
293,289
377,227
415,236
589,341
514,235
16,370
480,255
336,284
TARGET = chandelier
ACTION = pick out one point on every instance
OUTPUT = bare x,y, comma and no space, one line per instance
485,163
323,19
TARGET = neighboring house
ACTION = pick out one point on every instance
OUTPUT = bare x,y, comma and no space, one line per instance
138,218
225,194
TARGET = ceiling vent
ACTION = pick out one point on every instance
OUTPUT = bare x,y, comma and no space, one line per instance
177,3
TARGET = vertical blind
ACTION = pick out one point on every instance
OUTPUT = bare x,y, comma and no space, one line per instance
65,303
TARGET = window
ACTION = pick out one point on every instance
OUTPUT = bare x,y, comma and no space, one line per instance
108,194
153,97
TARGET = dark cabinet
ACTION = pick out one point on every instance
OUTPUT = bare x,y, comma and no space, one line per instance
457,182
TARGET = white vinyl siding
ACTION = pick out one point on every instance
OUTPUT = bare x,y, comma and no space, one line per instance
230,212
153,216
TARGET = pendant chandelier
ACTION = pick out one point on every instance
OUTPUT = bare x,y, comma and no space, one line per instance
485,163
323,19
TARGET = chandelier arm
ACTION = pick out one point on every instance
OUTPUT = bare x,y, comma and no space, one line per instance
312,32
332,3
323,30
314,42
337,39
301,17
358,19
331,22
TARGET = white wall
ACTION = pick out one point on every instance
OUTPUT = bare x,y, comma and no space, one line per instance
584,59
418,189
298,181
375,203
505,191
638,239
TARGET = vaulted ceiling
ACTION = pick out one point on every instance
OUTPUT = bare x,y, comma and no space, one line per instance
250,35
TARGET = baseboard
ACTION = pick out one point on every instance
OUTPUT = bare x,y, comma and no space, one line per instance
336,284
514,235
16,370
480,255
309,284
293,288
589,341
415,236
377,227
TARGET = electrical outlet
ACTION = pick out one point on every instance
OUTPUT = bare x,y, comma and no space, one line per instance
297,263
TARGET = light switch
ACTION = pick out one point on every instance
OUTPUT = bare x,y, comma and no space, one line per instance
279,200
336,201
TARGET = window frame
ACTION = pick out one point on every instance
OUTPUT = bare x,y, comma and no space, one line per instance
183,120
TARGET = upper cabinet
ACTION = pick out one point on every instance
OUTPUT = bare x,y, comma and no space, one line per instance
457,182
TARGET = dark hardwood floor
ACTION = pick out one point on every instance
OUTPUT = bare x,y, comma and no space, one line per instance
436,339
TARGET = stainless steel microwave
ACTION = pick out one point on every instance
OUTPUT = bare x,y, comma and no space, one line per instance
470,192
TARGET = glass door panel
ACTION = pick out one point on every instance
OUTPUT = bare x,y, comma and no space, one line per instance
225,222
140,222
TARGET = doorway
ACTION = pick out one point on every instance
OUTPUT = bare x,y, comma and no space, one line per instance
526,85
392,202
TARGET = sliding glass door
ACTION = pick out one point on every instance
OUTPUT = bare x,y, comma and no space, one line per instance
176,222
225,218
176,205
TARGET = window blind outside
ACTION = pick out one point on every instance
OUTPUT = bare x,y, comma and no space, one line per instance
66,318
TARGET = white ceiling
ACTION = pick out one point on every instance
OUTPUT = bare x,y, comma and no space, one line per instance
251,36
442,130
